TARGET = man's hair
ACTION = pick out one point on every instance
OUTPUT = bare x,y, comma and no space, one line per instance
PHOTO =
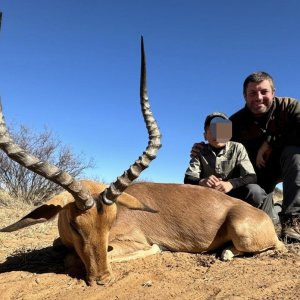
258,77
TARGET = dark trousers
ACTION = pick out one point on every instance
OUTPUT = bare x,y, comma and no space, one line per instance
257,197
250,193
283,167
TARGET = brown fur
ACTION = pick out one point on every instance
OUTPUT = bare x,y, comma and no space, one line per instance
188,218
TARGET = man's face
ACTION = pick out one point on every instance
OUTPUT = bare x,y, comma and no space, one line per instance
259,97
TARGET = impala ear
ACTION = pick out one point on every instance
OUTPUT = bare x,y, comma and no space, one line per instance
43,213
133,203
39,215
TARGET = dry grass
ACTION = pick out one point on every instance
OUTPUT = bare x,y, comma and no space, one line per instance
277,195
37,236
6,199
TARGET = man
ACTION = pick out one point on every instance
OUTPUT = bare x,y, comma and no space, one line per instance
269,128
225,166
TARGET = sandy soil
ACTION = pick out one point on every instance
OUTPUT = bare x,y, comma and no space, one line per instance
31,269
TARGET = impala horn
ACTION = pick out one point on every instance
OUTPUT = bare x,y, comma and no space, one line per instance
81,195
110,195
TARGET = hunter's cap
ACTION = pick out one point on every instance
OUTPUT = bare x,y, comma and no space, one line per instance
214,115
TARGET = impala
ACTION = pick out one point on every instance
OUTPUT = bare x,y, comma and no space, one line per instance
127,220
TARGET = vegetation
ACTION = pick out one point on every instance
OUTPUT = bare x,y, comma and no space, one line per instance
24,185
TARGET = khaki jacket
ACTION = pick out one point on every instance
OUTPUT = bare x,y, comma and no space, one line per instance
231,164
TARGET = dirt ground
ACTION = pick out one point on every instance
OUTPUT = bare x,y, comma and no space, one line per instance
31,269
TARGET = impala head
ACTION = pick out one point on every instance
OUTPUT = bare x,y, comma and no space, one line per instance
87,209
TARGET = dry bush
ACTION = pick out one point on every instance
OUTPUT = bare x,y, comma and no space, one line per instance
5,199
22,184
277,195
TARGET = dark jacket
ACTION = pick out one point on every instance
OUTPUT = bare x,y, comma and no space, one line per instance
280,127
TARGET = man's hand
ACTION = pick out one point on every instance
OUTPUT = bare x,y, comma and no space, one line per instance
197,147
263,155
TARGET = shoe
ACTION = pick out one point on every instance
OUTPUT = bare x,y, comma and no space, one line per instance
290,229
278,207
275,220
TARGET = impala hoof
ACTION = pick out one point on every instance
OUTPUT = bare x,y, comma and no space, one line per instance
227,255
104,280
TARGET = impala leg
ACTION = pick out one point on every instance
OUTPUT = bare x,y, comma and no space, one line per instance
230,252
121,253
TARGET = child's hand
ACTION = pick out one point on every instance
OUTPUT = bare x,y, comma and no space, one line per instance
210,181
223,186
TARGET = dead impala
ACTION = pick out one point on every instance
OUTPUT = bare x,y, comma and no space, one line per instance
125,221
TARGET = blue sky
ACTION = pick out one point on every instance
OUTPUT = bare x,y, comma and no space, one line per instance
74,67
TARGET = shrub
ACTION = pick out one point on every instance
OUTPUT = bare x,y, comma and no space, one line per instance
24,185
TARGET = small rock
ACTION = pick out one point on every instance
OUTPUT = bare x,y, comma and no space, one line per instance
147,283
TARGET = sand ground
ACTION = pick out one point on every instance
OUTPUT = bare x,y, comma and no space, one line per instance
31,269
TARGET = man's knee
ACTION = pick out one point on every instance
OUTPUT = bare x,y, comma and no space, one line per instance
255,195
290,157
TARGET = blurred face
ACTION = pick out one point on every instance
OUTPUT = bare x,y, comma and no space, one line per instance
211,139
219,132
259,97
